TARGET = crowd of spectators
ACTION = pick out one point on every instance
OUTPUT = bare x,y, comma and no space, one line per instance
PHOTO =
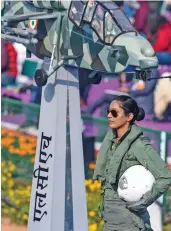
153,20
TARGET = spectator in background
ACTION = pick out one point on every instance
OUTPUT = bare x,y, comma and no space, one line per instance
146,16
143,92
161,40
141,18
153,14
130,8
8,63
4,57
103,102
162,100
32,116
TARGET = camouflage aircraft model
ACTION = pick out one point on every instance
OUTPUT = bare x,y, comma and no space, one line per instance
94,35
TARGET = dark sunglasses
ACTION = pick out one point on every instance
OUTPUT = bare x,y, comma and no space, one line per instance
113,112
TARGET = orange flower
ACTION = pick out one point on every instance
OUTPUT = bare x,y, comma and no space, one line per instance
10,133
26,143
92,166
22,153
32,152
7,141
22,139
33,160
11,149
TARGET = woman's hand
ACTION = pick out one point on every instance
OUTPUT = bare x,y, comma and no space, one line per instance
142,204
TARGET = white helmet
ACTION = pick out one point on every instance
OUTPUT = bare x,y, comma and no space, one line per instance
135,182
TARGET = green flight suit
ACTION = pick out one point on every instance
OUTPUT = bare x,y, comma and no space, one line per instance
113,160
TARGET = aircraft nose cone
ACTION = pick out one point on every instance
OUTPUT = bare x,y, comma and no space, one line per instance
148,52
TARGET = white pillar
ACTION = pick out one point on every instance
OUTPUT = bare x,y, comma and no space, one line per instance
63,202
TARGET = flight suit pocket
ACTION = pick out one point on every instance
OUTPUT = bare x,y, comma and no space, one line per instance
116,213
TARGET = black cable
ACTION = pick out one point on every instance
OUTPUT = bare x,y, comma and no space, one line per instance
165,77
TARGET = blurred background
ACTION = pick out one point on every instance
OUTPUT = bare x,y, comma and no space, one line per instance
21,98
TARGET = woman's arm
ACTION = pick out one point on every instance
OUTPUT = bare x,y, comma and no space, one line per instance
102,157
149,158
159,169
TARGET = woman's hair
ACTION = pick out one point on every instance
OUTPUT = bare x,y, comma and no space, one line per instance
129,105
